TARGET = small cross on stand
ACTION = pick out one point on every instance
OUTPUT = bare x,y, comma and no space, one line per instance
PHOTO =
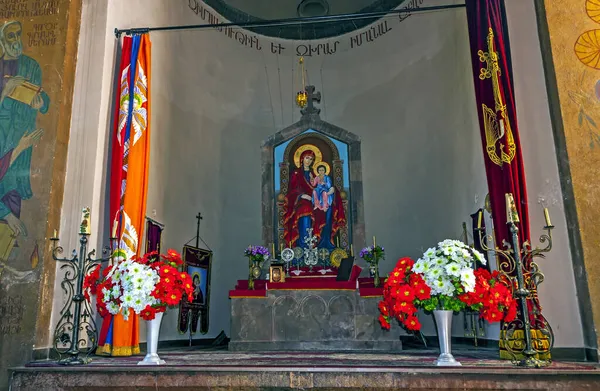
199,218
312,97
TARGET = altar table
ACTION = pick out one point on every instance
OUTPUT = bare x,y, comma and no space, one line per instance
312,313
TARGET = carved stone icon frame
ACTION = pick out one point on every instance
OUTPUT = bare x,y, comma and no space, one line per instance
311,121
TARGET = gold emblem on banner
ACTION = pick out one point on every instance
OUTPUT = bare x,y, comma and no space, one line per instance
496,121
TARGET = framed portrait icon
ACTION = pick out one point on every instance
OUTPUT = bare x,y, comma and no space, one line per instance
197,263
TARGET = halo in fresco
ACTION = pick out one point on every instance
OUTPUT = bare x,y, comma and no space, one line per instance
592,7
587,48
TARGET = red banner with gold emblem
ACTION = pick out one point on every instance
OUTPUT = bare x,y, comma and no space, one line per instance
490,55
497,114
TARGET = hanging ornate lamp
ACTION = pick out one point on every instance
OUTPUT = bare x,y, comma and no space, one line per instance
302,96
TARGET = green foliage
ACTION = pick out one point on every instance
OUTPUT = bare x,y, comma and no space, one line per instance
441,302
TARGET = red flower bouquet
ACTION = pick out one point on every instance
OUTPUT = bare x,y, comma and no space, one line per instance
492,297
405,291
147,285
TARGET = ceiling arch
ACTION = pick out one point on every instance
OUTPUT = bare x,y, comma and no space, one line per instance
241,11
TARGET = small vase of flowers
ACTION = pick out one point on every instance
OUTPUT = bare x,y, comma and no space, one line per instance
444,281
146,286
372,255
256,256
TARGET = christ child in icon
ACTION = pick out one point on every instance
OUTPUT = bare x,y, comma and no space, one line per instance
323,188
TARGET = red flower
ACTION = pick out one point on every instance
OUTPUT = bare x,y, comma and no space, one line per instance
172,298
406,293
491,315
412,323
423,292
396,292
148,313
384,322
173,257
383,308
405,307
404,262
511,312
167,270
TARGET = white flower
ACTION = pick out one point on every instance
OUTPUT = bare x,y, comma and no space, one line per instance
421,266
127,299
434,273
468,279
438,286
113,308
466,254
450,261
453,269
479,257
447,288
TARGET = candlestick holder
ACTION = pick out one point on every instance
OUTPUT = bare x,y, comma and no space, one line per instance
76,317
522,275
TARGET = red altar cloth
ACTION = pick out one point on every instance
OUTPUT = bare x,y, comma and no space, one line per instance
314,280
366,288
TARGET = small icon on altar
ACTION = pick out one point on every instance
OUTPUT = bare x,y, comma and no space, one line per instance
276,273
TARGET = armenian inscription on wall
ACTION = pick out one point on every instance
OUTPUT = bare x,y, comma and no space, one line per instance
11,315
304,49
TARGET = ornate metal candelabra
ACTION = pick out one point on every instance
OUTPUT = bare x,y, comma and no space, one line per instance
76,316
522,274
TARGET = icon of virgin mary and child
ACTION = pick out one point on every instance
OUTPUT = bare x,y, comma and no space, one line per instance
312,201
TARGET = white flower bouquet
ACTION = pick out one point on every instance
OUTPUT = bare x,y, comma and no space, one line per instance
448,270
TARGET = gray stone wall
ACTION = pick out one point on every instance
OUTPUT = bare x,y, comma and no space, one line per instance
311,320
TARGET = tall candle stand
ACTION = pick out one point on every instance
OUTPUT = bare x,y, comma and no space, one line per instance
522,274
76,317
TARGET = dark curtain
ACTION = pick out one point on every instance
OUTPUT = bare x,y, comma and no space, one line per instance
153,234
492,76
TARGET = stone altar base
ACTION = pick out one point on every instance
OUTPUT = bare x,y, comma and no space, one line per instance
312,320
222,370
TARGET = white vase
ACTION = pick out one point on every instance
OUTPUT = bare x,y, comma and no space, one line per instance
443,322
152,331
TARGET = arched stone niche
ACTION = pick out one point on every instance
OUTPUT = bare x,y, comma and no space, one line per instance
311,122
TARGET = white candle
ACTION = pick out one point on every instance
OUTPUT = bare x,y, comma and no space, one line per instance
509,216
85,228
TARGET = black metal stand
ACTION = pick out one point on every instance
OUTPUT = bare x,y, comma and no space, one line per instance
76,316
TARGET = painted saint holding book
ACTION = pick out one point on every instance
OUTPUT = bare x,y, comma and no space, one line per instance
21,98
